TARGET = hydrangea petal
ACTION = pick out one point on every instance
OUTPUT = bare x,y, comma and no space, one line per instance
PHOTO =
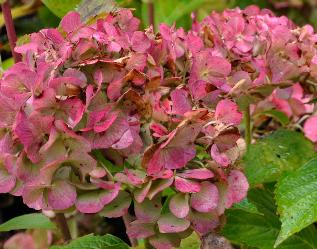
118,207
168,223
61,195
310,128
148,211
186,186
140,230
179,205
228,113
206,199
199,174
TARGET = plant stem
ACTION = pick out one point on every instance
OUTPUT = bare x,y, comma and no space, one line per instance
147,244
247,120
62,223
105,163
12,37
151,13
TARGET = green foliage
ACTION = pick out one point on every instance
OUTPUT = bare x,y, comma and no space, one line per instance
61,7
247,206
296,196
91,8
280,151
261,230
279,116
245,3
27,221
108,166
91,241
174,11
47,18
191,242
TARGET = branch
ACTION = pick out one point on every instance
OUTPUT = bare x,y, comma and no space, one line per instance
63,226
247,120
12,37
151,13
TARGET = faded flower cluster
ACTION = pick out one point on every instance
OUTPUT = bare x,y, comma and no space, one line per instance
101,117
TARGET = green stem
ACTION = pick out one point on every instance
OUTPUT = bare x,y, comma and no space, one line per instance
247,123
147,244
105,163
63,226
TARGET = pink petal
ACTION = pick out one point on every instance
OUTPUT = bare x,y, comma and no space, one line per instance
220,158
181,102
33,197
179,206
237,188
199,174
186,186
118,207
112,135
158,186
194,43
74,110
169,223
165,241
141,193
71,21
310,128
62,195
148,211
227,112
125,141
107,185
206,199
204,223
98,173
19,241
137,61
93,202
140,230
158,129
177,151
140,42
7,181
131,176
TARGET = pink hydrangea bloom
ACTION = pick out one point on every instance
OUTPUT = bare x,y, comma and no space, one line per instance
151,102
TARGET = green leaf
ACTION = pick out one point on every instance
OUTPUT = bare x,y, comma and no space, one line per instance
247,206
47,17
296,196
277,115
91,241
280,151
61,7
112,169
27,221
261,230
191,242
91,8
178,11
7,63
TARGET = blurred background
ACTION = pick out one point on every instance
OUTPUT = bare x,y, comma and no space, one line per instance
33,15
